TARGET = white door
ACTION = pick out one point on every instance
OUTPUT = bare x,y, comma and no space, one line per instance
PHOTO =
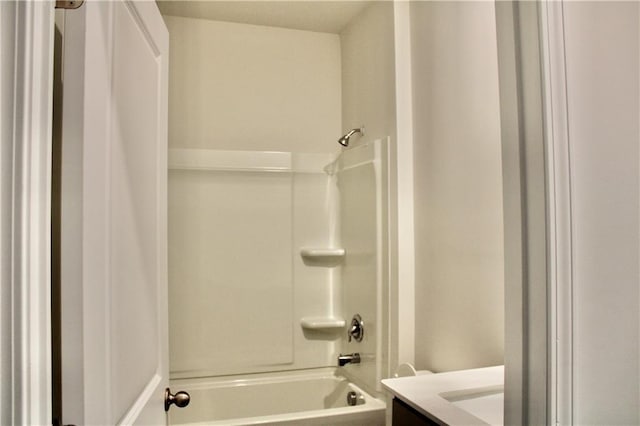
114,214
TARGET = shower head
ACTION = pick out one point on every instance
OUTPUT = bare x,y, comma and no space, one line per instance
344,140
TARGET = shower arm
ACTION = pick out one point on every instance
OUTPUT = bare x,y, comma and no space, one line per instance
344,140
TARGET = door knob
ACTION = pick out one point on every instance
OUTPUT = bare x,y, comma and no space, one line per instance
181,399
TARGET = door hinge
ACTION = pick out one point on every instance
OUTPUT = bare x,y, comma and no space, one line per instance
69,4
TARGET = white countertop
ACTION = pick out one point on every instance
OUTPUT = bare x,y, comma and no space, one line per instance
466,397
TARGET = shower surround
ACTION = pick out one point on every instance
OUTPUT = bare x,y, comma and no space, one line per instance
239,287
270,254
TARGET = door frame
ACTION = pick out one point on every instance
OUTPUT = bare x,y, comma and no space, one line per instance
538,310
26,78
526,230
560,350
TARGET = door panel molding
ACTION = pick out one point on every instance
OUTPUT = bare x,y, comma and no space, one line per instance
114,227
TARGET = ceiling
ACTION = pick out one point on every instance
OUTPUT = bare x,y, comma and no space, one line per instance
309,15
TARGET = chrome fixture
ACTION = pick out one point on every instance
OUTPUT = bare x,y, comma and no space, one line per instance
344,140
69,4
181,399
348,359
356,329
352,398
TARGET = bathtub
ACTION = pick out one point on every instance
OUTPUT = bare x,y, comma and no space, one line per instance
304,398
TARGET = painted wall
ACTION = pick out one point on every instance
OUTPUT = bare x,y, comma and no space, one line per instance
248,87
602,70
368,73
458,186
368,98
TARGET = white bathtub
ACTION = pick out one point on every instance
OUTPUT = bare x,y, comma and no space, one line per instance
305,398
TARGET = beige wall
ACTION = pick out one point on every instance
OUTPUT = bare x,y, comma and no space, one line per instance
368,73
248,87
458,187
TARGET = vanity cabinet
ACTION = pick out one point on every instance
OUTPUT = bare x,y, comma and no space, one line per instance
404,415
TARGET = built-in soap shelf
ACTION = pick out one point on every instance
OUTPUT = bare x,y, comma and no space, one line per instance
319,255
322,323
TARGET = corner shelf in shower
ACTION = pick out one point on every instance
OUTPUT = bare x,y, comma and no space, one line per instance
322,323
319,254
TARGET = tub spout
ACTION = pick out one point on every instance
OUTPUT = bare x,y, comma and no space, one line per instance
348,358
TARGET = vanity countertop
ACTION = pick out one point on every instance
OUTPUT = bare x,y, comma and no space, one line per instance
465,397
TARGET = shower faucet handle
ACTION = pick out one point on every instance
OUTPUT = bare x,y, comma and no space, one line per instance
356,329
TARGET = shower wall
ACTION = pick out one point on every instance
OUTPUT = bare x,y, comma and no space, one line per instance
361,177
254,114
238,287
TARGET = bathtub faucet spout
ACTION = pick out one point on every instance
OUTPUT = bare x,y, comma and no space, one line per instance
348,358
